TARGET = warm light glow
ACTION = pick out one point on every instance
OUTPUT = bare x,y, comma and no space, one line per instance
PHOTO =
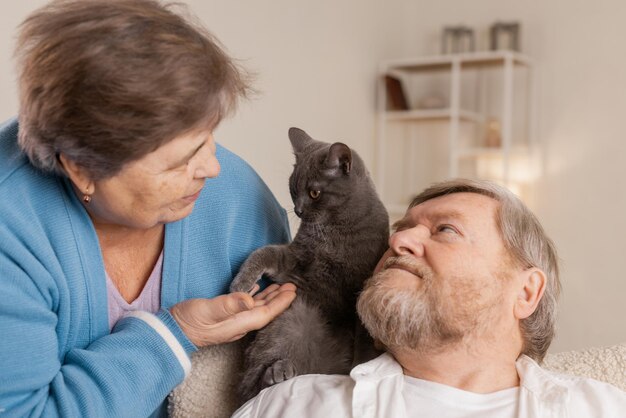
523,170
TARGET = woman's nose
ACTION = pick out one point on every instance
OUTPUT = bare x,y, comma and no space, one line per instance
207,164
409,241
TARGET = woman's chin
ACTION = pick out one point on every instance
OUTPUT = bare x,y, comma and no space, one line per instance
176,214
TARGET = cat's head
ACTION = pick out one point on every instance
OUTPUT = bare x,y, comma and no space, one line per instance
324,178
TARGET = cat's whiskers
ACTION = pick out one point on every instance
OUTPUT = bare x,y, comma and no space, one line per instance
290,214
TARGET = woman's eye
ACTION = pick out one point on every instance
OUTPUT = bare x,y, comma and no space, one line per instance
193,157
314,194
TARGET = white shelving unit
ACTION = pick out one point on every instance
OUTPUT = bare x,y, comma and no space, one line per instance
455,67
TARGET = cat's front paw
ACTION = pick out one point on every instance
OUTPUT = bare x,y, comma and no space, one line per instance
278,372
240,284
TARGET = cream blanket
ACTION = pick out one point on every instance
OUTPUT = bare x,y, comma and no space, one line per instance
209,389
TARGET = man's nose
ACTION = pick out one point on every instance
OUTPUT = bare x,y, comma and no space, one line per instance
409,241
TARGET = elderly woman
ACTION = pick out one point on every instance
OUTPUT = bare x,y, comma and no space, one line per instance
114,253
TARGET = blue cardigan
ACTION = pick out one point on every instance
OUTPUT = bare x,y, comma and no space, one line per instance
57,355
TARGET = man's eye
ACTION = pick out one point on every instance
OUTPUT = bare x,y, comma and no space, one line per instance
446,228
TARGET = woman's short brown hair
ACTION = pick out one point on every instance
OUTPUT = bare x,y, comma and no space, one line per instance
108,81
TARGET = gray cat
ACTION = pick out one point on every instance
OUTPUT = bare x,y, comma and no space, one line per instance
343,233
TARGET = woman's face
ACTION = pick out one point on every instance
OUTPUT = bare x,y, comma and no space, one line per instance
159,188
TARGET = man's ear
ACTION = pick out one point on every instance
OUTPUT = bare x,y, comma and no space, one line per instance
79,176
532,286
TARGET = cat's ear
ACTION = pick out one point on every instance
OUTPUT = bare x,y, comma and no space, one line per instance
299,139
339,157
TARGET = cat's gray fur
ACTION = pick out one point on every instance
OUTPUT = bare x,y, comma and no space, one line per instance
343,234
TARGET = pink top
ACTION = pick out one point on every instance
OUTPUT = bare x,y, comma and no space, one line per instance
149,300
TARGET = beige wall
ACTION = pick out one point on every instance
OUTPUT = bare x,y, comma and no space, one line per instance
316,63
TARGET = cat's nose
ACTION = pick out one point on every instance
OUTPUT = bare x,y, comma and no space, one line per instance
298,211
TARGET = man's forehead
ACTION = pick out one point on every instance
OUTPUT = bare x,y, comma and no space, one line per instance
462,206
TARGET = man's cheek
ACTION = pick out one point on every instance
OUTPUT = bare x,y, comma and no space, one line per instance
385,256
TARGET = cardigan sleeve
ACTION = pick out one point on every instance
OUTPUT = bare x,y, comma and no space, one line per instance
126,373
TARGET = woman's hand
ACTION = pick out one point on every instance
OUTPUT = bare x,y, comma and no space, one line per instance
229,317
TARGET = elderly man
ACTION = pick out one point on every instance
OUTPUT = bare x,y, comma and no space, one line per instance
464,301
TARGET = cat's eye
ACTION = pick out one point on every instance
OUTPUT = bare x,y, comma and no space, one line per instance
314,194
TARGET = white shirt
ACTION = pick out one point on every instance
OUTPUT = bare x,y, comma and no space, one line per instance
376,389
423,398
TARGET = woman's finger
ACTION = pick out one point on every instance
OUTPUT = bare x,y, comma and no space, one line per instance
257,317
269,289
273,295
226,306
254,289
275,292
229,317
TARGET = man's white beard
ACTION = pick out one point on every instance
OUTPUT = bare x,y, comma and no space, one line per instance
425,318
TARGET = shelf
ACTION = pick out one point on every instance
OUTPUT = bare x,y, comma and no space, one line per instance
475,88
444,62
431,114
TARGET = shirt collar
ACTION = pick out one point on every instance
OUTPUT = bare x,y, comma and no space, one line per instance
538,381
381,367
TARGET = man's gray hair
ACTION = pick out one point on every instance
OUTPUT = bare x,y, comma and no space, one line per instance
527,244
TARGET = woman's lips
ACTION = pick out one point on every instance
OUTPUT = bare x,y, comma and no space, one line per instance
192,198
